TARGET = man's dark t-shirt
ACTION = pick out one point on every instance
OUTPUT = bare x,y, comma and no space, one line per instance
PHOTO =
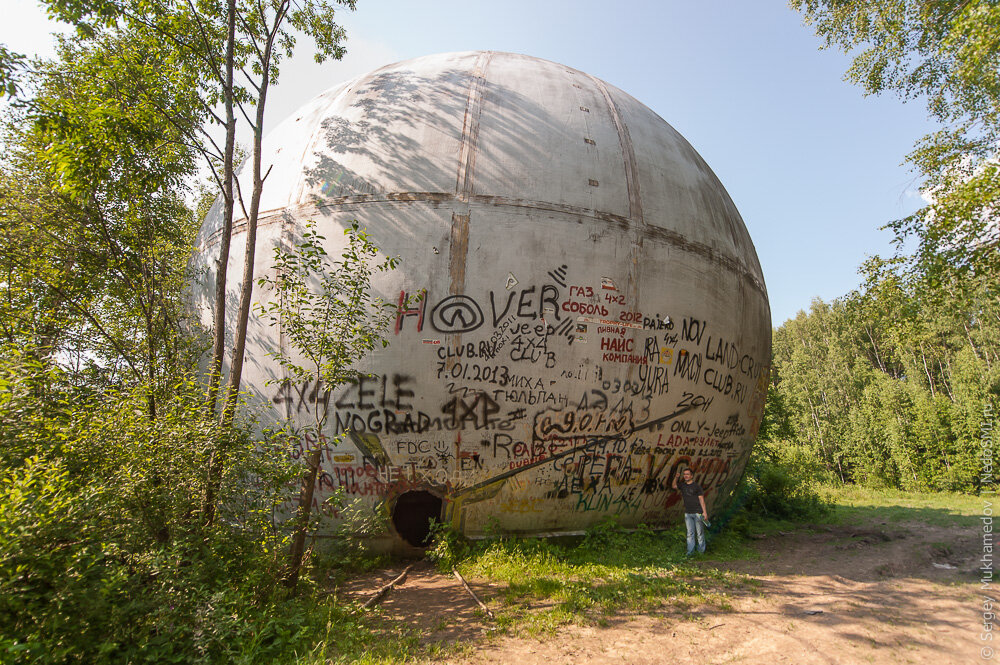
690,492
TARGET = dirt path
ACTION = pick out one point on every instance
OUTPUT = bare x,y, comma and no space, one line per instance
867,594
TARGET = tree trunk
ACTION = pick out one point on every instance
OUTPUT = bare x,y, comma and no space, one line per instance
878,356
150,363
246,288
927,371
219,323
302,518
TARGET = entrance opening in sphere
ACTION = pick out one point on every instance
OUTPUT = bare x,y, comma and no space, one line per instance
412,516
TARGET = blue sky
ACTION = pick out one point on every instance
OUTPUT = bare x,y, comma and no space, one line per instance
814,167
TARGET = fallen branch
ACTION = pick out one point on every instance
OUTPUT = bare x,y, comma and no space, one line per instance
472,593
384,590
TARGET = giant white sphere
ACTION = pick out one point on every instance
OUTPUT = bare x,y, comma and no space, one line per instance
595,316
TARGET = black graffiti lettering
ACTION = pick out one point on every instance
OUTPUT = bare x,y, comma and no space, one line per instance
457,314
356,394
552,299
402,393
651,350
479,412
692,330
688,366
692,401
302,395
600,401
493,308
284,394
531,349
524,304
502,442
653,379
362,393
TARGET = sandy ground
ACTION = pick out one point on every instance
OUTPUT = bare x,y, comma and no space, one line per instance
845,594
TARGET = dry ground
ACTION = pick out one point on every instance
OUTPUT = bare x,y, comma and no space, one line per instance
868,593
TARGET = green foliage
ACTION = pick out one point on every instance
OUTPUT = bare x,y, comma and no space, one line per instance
924,327
325,306
449,547
103,555
106,450
887,387
775,490
10,65
781,477
94,235
946,52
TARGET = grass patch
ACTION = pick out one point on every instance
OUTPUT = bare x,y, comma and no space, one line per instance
350,636
858,504
549,583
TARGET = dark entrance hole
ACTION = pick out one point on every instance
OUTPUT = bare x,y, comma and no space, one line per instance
412,516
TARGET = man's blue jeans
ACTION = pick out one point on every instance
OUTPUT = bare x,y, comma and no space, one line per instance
695,527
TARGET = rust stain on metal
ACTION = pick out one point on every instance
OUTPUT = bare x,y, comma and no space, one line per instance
457,255
459,252
464,181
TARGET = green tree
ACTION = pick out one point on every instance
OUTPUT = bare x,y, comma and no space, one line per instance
94,233
927,320
326,308
233,50
102,555
946,53
10,66
816,363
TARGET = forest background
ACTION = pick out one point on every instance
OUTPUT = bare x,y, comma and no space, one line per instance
127,532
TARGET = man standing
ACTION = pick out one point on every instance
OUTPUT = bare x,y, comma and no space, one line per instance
695,513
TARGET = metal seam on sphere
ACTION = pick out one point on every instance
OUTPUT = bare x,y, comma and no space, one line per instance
657,233
634,196
628,154
470,128
459,245
457,256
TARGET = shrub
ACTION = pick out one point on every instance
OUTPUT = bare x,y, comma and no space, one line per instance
104,555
